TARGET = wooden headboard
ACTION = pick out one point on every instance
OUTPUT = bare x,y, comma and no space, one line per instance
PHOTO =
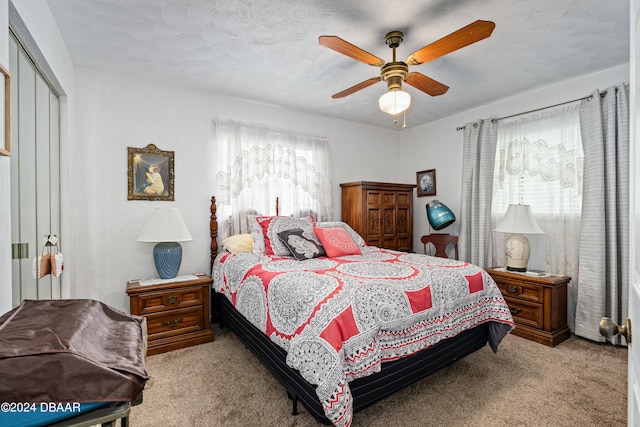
213,228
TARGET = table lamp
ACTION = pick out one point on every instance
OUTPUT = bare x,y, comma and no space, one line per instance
166,228
518,221
439,215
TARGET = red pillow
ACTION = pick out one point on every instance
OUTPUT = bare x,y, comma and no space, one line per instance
337,242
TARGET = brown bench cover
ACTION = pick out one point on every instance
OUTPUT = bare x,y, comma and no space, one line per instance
71,351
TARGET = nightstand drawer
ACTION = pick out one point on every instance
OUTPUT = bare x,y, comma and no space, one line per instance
169,300
175,322
522,291
525,312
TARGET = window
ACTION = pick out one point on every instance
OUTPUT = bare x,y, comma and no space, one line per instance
539,162
256,164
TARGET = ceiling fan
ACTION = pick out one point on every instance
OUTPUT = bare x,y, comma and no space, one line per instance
396,72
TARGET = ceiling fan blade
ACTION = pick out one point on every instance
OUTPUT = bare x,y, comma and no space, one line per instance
465,36
426,84
352,51
357,87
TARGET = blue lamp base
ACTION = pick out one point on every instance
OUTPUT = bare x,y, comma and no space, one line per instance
167,256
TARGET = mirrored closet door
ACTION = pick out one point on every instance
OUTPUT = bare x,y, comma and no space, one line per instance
35,173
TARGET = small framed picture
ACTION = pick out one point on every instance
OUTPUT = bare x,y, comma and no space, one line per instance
426,182
150,173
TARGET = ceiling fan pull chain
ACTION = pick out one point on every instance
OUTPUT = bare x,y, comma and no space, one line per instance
404,121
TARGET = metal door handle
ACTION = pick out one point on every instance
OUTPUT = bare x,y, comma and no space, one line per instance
609,329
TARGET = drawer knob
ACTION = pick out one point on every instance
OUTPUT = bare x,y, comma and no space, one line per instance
515,310
512,288
171,323
172,299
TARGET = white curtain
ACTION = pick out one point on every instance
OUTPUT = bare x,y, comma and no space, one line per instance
255,164
539,162
604,247
477,181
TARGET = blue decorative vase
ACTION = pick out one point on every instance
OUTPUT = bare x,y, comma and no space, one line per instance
167,256
439,215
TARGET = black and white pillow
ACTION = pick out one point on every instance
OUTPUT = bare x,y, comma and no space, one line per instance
303,244
272,225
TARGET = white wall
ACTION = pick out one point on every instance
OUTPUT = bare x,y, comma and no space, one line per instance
438,145
114,112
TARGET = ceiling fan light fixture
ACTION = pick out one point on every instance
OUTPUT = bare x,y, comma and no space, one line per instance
395,101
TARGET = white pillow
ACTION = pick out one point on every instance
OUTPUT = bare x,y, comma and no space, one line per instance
238,243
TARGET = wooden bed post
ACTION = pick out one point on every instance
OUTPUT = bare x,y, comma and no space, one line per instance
213,230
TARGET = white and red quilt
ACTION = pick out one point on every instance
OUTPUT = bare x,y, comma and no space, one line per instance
340,318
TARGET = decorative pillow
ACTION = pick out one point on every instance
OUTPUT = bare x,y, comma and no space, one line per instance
272,225
257,238
238,243
302,244
354,235
337,241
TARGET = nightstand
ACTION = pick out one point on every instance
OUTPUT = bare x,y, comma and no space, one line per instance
177,310
538,304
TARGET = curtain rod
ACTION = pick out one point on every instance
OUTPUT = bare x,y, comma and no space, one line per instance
459,128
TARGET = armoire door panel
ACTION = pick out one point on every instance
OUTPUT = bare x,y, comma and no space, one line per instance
403,243
389,199
405,199
389,242
373,223
403,221
389,222
374,198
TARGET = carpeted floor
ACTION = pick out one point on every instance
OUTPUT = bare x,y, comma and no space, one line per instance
577,383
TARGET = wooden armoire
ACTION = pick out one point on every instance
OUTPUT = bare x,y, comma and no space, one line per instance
382,213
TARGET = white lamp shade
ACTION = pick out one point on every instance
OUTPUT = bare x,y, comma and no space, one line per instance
394,101
165,225
519,219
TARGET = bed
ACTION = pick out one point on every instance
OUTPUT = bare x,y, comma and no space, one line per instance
345,328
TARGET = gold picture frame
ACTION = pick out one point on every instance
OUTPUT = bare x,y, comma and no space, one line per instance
150,173
6,151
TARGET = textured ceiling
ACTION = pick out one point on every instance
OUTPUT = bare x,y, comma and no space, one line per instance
268,51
